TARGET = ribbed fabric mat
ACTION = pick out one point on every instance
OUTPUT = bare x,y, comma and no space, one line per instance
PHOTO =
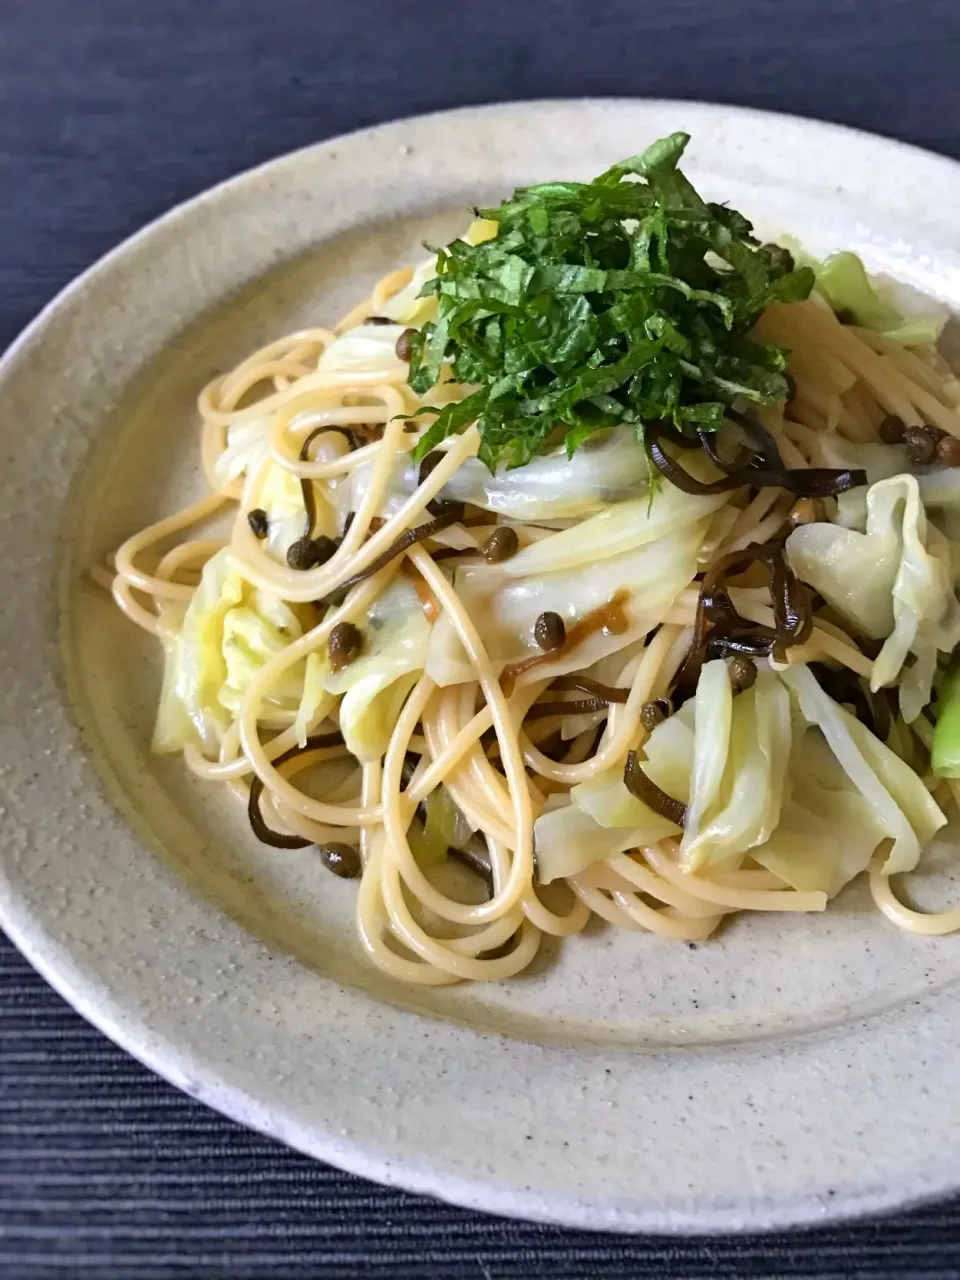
110,112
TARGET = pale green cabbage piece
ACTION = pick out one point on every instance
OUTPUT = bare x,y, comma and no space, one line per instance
901,805
253,634
505,608
619,529
280,495
367,348
735,808
940,495
880,461
894,582
945,750
606,798
609,467
805,790
316,704
229,631
844,282
669,752
712,727
444,825
246,448
374,688
822,841
406,306
569,839
940,489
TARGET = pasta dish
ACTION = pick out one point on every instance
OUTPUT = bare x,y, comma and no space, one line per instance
602,564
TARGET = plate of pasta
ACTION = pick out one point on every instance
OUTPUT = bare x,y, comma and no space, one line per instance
493,715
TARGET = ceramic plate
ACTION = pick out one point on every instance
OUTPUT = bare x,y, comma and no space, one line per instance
795,1069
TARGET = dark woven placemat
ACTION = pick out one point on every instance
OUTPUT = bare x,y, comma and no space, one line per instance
110,112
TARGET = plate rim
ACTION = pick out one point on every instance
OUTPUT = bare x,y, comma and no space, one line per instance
78,985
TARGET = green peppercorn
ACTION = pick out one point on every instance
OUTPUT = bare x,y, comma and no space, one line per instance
404,347
743,674
307,553
501,545
549,631
344,645
259,523
892,429
921,444
342,859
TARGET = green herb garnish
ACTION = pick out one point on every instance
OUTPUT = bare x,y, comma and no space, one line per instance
616,301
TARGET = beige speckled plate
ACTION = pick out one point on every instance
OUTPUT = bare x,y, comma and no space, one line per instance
794,1070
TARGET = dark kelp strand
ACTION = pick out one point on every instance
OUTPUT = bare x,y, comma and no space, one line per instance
584,706
396,548
757,465
586,684
654,712
277,839
720,631
639,785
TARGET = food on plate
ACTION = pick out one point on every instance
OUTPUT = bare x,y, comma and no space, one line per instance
602,564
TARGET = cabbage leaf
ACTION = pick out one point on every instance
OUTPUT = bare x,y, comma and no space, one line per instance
505,607
570,839
739,777
844,282
374,687
229,631
893,582
901,805
793,781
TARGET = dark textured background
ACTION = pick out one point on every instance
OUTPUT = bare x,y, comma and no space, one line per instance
110,112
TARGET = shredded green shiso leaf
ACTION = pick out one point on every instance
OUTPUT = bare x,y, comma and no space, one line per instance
617,301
